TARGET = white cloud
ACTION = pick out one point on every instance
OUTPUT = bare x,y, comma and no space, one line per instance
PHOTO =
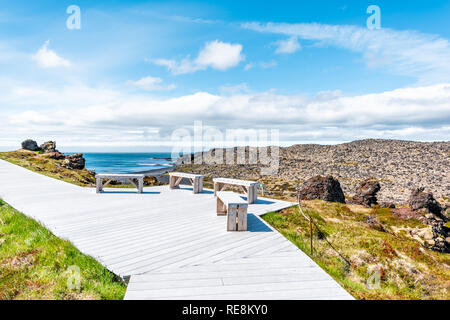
47,58
215,54
249,66
104,116
152,84
290,45
268,64
420,55
261,64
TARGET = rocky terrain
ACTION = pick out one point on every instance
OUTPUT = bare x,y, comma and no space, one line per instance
397,165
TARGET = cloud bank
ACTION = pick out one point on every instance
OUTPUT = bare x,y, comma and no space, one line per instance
425,57
421,113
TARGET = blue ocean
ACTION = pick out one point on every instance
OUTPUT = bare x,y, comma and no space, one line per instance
126,162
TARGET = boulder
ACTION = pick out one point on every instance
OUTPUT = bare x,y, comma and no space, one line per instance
30,145
55,155
324,188
424,200
74,161
366,193
49,147
387,204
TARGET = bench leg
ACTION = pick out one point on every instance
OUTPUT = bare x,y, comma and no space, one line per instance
172,180
140,185
194,185
197,185
231,221
252,194
242,219
221,208
255,194
99,185
216,188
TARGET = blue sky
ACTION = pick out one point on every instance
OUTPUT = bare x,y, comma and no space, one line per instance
137,70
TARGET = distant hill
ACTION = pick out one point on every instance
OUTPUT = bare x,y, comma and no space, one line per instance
398,165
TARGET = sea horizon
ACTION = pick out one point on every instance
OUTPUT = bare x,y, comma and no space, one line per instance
126,162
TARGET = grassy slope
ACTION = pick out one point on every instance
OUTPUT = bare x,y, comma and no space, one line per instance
34,264
407,270
35,161
39,163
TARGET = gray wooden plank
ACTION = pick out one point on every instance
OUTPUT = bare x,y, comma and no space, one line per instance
171,242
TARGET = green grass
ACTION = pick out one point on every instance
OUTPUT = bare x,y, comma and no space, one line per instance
35,264
406,269
38,162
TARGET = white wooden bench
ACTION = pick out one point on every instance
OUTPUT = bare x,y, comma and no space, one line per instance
196,180
135,179
232,205
250,188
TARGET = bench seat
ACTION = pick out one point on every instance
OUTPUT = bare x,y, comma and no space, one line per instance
232,205
196,180
135,179
250,188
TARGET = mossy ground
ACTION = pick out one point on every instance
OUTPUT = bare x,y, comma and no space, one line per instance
35,264
40,163
36,161
406,269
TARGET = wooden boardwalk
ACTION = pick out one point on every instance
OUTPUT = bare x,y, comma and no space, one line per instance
170,243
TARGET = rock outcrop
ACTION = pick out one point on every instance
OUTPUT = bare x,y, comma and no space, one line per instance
55,155
419,199
324,188
49,147
425,202
366,193
74,161
30,145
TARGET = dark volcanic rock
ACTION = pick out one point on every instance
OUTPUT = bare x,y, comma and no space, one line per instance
49,146
30,145
55,155
323,188
75,161
424,200
366,193
387,204
421,200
